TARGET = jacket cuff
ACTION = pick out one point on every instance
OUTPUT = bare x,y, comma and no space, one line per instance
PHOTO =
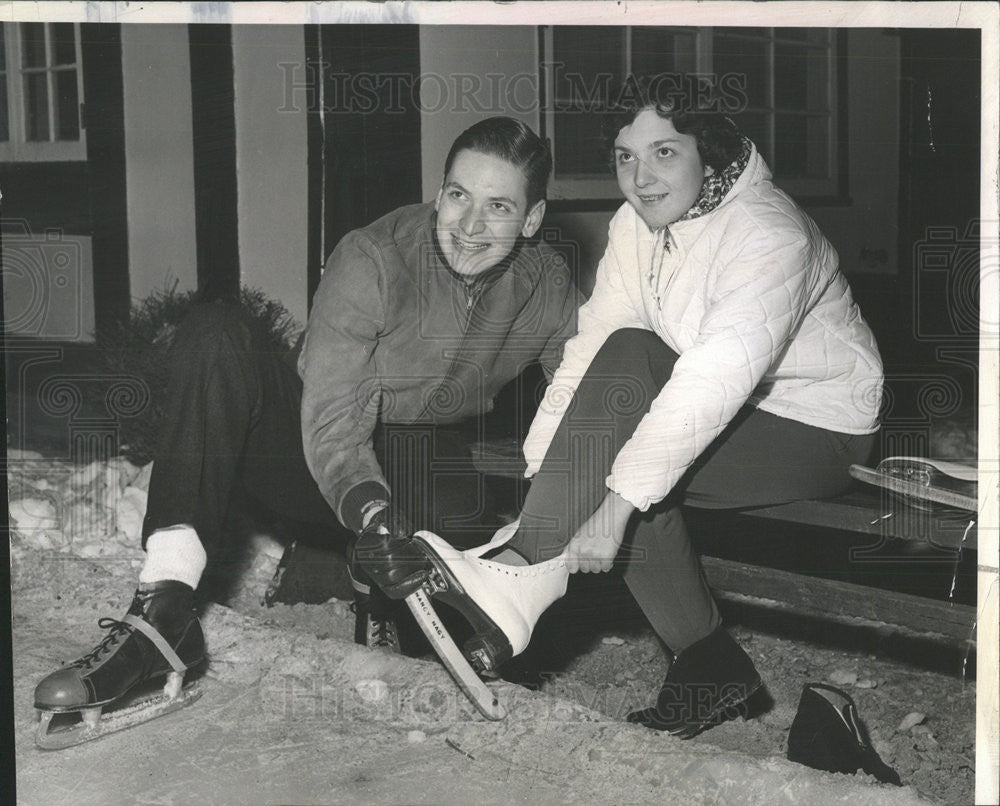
354,500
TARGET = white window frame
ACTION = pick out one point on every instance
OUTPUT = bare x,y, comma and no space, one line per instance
591,187
18,148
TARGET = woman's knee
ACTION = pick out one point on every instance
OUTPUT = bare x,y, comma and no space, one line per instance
633,342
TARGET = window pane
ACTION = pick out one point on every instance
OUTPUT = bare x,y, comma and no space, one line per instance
818,157
579,145
67,106
800,78
747,59
33,44
4,121
590,72
792,145
790,67
662,50
36,107
63,43
591,64
754,126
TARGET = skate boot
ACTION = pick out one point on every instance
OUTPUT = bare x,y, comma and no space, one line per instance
160,636
374,626
501,602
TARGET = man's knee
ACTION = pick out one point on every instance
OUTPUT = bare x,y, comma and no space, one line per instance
211,324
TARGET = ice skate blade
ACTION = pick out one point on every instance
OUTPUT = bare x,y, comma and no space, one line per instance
486,701
59,730
912,492
489,648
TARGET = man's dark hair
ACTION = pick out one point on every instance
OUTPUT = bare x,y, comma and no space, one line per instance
512,141
719,140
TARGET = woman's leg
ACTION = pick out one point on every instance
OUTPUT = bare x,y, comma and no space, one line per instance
614,395
760,459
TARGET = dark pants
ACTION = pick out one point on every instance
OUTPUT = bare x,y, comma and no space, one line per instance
758,459
232,422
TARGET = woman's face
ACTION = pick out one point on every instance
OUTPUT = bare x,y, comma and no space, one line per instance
659,170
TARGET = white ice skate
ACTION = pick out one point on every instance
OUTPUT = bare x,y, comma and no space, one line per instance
501,602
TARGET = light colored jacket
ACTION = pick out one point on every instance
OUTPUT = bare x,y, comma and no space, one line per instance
750,296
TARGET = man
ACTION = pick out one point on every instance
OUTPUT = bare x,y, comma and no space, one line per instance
418,322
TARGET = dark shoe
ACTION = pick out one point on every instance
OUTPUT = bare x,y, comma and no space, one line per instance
827,734
707,683
309,575
159,635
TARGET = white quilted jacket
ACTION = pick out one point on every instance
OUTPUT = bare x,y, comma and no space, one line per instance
750,297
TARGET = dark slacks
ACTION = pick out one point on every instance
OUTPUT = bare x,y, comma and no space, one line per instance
232,422
759,459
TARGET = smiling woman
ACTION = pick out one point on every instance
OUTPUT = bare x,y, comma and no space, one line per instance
659,170
720,362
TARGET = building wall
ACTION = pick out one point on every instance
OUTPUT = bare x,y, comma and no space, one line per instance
271,165
48,285
159,159
467,78
863,232
866,232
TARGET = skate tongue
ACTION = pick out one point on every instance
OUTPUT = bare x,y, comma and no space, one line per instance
502,536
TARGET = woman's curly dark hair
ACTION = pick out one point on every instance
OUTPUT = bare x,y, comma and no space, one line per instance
719,140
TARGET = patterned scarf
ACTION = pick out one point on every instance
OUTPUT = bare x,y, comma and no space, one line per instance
716,186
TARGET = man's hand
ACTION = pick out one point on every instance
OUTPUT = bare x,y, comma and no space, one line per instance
595,545
386,553
382,518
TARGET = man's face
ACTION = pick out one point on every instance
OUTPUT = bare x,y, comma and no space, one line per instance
659,170
482,208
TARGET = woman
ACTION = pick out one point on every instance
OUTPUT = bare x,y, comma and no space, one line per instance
720,362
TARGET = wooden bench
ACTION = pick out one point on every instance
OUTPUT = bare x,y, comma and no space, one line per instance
862,511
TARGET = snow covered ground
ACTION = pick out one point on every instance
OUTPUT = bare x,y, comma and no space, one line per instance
295,712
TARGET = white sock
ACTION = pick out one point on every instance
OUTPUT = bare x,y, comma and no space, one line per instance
174,553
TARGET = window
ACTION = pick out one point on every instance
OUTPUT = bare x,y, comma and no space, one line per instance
780,85
41,89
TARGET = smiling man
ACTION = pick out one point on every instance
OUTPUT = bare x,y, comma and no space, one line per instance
419,321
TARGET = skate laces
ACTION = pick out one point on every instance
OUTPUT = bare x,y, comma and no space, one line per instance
382,632
117,629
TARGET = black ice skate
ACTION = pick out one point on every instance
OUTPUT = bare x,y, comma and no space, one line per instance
374,626
159,637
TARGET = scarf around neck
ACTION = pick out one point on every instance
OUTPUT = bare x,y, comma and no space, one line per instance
716,186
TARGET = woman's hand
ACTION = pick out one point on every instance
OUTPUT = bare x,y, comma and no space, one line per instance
595,545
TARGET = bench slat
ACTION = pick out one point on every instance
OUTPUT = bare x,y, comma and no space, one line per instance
845,602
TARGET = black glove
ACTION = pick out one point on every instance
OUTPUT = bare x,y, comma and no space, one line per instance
386,521
386,553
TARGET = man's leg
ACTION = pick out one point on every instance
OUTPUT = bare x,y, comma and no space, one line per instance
218,397
230,417
435,483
